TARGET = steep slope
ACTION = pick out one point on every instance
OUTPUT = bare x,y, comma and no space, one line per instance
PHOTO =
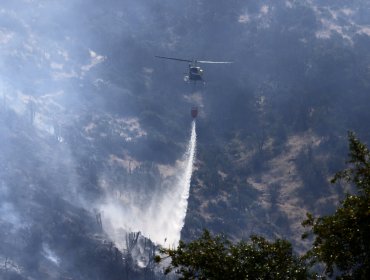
88,113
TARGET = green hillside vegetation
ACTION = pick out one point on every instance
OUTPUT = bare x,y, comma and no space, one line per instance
340,247
341,240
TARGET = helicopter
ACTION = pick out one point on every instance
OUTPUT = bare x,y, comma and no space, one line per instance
194,73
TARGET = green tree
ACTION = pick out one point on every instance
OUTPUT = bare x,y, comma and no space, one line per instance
215,257
342,240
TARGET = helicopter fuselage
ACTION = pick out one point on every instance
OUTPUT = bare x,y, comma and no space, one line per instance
195,73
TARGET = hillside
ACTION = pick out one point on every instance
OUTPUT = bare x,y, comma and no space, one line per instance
93,125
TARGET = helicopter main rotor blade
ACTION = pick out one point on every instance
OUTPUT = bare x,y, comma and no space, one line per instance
172,58
214,62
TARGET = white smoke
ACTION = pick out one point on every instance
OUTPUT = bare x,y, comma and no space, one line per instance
163,218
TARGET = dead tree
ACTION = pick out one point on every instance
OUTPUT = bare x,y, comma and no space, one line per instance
98,220
32,110
131,241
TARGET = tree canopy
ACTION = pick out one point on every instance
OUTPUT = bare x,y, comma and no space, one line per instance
342,240
215,257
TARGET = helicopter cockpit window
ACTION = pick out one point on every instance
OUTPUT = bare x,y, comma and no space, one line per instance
194,70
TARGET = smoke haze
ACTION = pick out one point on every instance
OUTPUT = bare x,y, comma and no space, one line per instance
92,123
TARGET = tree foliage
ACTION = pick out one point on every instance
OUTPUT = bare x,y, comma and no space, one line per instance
215,257
342,240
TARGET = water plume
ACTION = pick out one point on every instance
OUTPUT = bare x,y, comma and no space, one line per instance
177,207
162,218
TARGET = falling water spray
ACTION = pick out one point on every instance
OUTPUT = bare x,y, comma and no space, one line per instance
164,216
184,185
174,203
